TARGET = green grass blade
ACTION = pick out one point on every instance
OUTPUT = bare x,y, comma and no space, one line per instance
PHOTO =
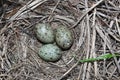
102,57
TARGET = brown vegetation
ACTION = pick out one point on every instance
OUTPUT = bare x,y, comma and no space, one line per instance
94,23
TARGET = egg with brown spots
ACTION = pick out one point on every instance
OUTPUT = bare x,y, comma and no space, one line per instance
63,37
44,32
50,52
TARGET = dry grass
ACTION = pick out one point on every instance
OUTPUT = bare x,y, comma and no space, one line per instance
94,23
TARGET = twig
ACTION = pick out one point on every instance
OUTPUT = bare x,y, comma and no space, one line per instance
69,70
53,10
26,8
108,45
66,73
86,13
64,18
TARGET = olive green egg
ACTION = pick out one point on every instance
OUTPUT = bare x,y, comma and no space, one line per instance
50,52
63,37
44,32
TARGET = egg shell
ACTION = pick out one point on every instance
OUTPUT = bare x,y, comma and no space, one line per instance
50,52
44,32
63,37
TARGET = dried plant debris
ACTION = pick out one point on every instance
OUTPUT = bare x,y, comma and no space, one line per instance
94,23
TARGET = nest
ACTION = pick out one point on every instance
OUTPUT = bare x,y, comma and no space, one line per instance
96,28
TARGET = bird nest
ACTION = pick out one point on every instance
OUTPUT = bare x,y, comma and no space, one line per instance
95,25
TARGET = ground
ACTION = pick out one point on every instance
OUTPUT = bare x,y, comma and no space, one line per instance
95,25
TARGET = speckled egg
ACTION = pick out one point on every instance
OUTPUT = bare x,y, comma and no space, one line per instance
50,52
63,37
44,33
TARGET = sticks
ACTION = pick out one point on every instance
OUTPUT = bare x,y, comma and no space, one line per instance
25,9
69,70
74,27
86,13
